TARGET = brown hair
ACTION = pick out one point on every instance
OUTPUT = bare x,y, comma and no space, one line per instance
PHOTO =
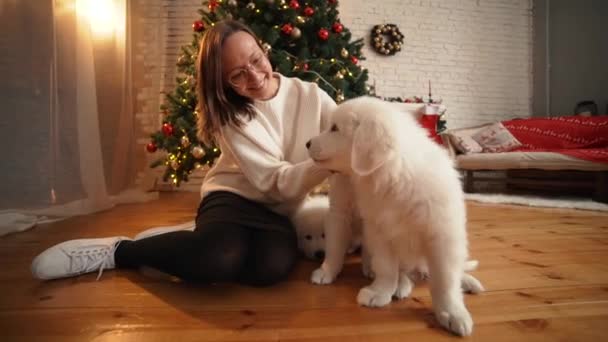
218,103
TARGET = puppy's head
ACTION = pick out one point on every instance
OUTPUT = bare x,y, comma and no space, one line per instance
309,221
311,241
360,138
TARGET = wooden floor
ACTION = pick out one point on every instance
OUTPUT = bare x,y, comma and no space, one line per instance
545,271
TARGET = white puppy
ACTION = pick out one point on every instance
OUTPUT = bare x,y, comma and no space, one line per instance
410,198
309,221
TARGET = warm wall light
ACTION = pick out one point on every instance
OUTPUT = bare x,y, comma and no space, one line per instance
101,14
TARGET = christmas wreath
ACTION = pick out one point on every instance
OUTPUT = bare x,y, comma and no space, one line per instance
388,46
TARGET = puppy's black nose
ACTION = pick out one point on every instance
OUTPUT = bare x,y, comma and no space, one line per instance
308,144
320,255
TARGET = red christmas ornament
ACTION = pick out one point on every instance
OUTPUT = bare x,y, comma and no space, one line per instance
354,59
287,28
323,34
213,5
333,2
294,4
167,129
305,66
198,26
337,27
309,11
151,147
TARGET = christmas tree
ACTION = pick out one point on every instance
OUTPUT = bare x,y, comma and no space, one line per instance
304,39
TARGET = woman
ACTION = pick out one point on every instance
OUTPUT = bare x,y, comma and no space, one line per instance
261,121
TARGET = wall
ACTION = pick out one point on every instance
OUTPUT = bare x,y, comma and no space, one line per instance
574,49
477,53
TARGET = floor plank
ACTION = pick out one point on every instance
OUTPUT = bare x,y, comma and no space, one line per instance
545,271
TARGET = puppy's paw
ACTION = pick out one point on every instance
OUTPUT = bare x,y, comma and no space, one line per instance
372,298
404,289
470,284
457,321
321,277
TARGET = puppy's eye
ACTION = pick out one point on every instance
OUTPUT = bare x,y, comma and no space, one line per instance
334,128
308,237
323,236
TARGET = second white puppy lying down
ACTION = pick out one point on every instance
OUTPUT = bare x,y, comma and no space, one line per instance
410,198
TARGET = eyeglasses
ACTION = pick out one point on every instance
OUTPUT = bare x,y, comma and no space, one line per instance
240,76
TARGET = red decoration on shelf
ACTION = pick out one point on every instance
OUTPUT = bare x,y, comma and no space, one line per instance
309,11
287,28
151,147
354,59
167,129
294,4
198,26
323,34
337,27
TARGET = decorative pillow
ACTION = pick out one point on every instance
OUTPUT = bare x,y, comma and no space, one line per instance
496,138
462,141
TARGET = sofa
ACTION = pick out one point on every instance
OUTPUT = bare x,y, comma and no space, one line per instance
532,151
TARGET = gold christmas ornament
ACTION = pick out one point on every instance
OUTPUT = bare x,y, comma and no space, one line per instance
251,6
339,96
296,33
300,19
185,141
266,47
339,75
344,53
198,152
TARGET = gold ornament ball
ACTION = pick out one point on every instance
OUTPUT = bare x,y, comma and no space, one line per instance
339,97
198,152
251,5
344,53
339,75
185,141
296,33
266,47
300,19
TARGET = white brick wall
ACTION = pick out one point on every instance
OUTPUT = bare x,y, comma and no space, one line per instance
477,54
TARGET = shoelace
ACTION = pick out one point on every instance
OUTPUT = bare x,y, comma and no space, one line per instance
90,259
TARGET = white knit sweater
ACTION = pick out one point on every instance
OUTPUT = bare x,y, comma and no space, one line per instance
265,160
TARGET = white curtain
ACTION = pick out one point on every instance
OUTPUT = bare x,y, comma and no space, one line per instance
67,116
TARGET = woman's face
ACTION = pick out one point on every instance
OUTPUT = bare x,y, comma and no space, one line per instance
246,68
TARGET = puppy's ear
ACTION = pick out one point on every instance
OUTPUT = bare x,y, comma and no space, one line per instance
371,146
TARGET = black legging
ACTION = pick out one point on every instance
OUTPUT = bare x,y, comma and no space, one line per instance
235,240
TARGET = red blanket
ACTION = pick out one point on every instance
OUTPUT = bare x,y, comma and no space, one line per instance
576,136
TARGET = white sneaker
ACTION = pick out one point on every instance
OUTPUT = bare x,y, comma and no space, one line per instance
190,225
74,257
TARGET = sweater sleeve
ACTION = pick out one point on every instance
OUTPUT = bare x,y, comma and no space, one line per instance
261,161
